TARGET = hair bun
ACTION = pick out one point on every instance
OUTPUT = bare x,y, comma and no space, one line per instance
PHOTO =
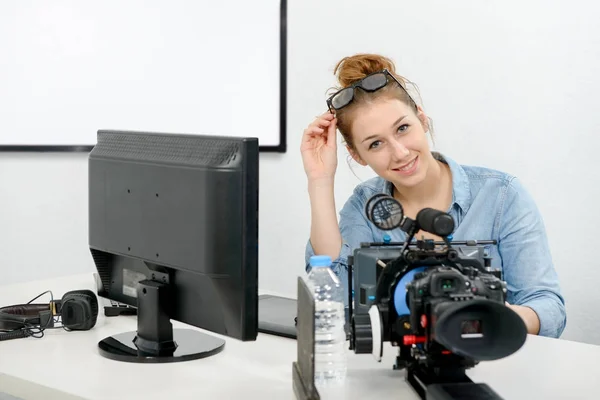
353,68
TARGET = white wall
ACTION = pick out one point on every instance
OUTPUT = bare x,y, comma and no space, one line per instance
510,85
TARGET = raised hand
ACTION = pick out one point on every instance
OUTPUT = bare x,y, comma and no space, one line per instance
319,149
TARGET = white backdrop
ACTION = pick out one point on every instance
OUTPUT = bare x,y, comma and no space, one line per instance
71,67
510,85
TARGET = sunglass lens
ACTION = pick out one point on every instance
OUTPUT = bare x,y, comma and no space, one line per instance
374,82
342,98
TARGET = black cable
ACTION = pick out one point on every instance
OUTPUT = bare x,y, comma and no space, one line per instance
29,330
40,295
16,334
32,330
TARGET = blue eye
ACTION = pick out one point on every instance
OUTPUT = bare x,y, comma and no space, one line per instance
403,128
374,145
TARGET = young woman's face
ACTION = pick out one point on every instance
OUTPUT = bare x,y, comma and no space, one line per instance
391,138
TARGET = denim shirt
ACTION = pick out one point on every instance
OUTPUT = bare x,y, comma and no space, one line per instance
486,204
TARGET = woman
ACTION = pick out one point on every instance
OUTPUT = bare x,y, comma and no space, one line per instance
383,128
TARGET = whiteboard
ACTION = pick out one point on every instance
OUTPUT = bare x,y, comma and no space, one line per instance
70,68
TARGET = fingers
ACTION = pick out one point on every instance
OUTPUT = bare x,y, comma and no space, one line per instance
310,134
331,129
323,127
319,125
326,115
313,131
321,122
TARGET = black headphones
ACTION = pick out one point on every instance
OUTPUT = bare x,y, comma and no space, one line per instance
77,310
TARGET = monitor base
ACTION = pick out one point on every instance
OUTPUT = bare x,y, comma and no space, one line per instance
191,345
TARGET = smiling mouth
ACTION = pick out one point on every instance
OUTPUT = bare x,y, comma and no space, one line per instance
408,166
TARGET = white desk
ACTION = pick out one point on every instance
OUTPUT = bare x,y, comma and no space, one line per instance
69,362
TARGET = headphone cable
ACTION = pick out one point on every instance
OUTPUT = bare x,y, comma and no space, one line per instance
16,334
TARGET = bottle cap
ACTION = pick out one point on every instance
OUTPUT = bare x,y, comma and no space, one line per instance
320,261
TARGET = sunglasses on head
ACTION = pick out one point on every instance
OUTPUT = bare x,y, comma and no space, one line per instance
369,83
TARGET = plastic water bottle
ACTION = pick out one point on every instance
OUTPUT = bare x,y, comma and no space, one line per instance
330,337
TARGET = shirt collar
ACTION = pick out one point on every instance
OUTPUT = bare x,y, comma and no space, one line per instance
461,191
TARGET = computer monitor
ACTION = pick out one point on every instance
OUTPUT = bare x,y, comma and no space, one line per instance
173,230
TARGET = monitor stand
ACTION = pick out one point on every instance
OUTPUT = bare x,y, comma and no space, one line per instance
155,340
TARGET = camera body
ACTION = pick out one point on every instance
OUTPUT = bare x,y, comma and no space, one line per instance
432,292
440,302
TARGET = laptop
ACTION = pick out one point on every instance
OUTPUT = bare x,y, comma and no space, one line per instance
277,315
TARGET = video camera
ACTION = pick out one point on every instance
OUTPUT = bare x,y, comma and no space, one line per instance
440,302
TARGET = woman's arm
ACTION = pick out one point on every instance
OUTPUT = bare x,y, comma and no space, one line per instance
325,234
529,317
533,286
353,229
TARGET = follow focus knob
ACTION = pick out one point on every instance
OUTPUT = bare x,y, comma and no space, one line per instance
362,334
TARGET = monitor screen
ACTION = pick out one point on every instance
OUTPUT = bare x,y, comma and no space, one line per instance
173,231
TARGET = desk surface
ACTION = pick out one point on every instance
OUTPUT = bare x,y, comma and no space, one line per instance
69,362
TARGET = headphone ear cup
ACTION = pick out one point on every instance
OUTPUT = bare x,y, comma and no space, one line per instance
91,297
79,310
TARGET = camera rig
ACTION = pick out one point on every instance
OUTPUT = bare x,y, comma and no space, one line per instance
440,302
